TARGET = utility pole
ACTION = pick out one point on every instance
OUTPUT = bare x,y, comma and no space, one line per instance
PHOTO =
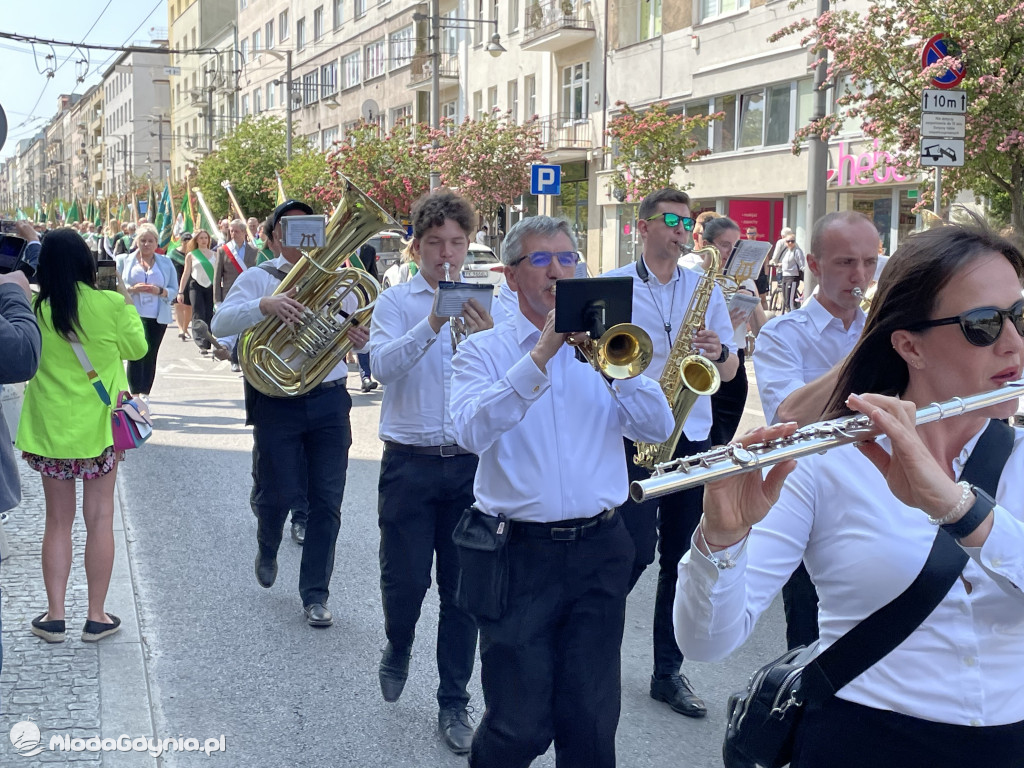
817,155
288,105
435,84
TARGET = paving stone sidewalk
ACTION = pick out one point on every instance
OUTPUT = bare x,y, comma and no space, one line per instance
80,689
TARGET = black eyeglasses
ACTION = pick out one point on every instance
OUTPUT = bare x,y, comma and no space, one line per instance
982,326
672,220
543,258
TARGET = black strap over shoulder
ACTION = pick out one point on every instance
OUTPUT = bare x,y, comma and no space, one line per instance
881,632
267,266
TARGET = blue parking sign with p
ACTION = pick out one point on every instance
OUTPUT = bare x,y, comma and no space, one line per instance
546,180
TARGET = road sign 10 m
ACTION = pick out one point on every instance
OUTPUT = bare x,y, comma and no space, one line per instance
950,102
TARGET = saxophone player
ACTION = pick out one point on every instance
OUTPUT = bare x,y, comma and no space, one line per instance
662,292
300,444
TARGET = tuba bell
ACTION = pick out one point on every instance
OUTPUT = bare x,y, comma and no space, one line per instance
282,360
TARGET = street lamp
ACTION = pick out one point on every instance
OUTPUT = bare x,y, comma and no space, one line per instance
287,58
494,47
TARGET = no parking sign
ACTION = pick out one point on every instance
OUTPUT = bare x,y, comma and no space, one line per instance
935,50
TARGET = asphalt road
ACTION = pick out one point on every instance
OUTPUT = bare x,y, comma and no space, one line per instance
226,657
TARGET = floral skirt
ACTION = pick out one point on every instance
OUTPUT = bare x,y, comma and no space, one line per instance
74,469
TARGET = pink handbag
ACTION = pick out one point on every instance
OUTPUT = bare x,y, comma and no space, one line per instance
130,422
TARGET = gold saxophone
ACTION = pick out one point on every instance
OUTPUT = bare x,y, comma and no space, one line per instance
282,360
687,374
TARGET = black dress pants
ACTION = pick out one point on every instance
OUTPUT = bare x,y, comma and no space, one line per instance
727,405
551,663
202,305
670,522
300,448
141,373
420,500
841,734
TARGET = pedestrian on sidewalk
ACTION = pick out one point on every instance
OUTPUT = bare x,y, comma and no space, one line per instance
65,434
368,258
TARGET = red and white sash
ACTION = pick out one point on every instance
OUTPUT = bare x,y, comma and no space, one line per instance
231,249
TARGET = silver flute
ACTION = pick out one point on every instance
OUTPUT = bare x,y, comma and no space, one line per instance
728,460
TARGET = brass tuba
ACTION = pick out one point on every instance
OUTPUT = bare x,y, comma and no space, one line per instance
282,360
687,374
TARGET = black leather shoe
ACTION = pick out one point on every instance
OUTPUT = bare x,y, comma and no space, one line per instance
266,570
299,533
675,691
394,671
317,615
456,729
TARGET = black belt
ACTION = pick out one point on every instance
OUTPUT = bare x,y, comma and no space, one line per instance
563,530
444,451
330,384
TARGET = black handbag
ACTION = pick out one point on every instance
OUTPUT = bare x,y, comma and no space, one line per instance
763,719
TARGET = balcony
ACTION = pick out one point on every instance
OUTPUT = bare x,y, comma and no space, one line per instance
553,25
565,138
420,71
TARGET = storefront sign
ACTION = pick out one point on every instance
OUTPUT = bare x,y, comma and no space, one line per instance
869,167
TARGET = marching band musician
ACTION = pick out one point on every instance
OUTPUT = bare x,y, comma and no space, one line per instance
547,568
300,443
947,322
661,295
799,354
426,478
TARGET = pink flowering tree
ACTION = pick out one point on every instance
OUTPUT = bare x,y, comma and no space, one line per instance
392,168
650,145
878,52
488,161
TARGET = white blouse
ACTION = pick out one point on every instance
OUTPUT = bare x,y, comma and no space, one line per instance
964,665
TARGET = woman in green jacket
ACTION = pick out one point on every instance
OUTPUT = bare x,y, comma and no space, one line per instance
65,432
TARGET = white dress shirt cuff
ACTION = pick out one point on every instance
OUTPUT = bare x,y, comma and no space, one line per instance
1002,554
422,333
526,379
244,314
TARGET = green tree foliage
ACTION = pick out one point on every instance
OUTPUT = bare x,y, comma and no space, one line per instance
651,146
878,52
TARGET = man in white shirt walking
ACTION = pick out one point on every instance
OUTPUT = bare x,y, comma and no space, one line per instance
544,557
426,478
798,356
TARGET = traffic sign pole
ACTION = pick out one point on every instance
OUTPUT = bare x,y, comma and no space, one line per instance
937,205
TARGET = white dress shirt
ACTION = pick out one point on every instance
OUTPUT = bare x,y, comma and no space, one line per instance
964,665
654,304
414,364
505,305
550,444
241,307
796,348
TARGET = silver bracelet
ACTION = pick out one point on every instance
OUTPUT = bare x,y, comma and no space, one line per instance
961,506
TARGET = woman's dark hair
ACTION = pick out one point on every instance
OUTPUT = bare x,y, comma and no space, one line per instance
906,295
64,262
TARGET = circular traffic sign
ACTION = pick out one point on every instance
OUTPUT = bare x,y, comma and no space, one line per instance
935,50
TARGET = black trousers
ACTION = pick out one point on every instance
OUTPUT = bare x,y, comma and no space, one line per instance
727,406
668,522
800,599
202,305
141,373
300,449
420,499
841,734
550,667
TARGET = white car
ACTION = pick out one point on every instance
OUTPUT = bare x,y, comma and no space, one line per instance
483,267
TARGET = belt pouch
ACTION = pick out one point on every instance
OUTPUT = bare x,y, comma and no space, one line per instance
482,588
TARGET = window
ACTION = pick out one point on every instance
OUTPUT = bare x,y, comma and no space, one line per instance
530,91
257,101
257,41
243,48
358,8
513,15
725,129
649,22
712,8
478,33
300,34
339,12
282,25
402,47
309,94
575,91
329,79
478,105
243,4
270,95
449,33
269,33
375,59
751,118
777,130
804,102
328,136
351,70
318,23
700,135
401,115
449,115
513,99
492,99
245,104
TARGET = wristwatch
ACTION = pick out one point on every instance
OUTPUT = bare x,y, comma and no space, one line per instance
722,357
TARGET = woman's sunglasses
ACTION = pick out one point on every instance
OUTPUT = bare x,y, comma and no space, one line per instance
981,326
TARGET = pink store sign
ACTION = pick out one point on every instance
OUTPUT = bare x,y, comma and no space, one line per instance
868,167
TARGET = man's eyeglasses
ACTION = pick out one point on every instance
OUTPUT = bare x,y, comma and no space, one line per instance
982,326
543,258
672,220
